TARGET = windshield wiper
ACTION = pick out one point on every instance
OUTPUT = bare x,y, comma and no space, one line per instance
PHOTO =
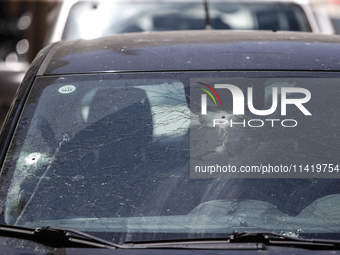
257,240
61,237
57,237
276,239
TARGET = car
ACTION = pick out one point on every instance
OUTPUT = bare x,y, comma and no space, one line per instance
175,142
91,19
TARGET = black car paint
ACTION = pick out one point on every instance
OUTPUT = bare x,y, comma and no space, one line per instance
19,101
197,50
173,51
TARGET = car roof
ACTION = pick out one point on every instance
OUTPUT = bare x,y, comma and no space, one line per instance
195,50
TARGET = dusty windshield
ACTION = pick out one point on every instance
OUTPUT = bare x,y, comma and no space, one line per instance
169,155
90,20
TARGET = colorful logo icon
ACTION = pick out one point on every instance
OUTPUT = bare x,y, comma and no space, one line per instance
209,93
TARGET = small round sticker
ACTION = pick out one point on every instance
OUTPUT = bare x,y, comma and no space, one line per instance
67,89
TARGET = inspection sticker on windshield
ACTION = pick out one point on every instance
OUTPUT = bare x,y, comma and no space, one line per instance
67,89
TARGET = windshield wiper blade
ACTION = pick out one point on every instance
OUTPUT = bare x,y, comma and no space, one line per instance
257,240
194,244
57,237
273,238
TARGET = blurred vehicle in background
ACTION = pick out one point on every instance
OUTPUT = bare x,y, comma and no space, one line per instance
92,19
324,19
331,9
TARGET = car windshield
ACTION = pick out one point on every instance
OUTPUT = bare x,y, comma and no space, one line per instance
149,156
89,20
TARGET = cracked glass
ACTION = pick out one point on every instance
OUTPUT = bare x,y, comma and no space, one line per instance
114,154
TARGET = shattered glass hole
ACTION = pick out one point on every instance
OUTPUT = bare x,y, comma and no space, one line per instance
32,158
